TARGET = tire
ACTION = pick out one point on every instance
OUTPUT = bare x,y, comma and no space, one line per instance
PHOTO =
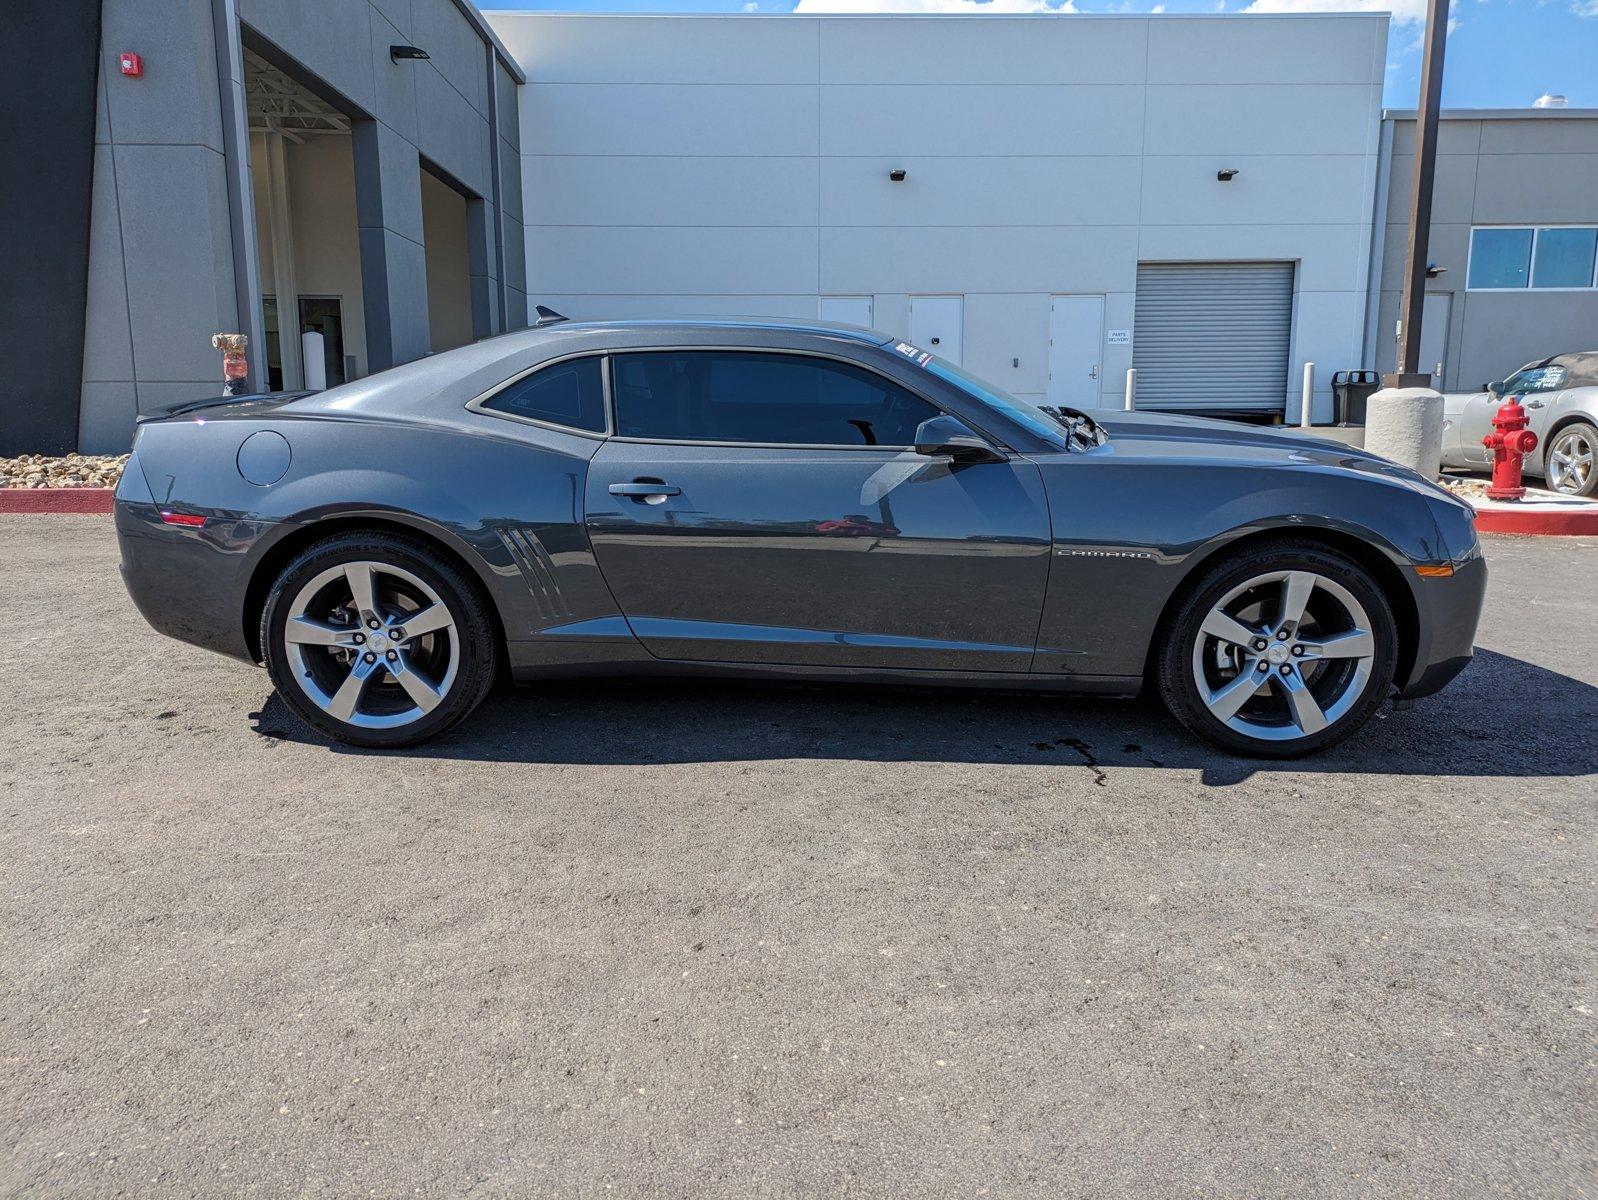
1335,663
406,685
1577,441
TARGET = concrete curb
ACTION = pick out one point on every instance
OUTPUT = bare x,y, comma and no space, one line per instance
1543,522
56,500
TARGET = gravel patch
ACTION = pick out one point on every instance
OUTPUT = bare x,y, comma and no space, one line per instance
1465,489
62,471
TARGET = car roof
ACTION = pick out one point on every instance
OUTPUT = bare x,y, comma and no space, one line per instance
442,383
1582,367
714,324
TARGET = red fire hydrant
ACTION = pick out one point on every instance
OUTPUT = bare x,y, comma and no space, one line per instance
1510,442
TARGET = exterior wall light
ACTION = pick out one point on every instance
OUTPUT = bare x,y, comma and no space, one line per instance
897,174
1433,270
395,53
1226,174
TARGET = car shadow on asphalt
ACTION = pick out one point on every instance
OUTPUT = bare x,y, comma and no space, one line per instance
1502,718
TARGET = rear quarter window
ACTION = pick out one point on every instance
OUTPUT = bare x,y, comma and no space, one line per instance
570,393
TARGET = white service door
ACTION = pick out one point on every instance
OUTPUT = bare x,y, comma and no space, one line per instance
1434,335
936,323
847,310
1076,338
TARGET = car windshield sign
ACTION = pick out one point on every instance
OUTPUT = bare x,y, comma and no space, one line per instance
1030,415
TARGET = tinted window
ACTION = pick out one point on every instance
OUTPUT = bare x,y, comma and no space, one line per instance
569,393
1500,258
727,396
1563,258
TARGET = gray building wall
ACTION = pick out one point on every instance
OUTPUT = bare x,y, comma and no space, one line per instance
166,249
1497,167
740,164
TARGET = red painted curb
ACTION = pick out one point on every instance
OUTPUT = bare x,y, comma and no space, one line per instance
56,500
1545,522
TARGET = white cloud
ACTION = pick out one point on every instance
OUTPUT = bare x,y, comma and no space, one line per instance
1159,8
934,6
1405,12
1585,8
752,6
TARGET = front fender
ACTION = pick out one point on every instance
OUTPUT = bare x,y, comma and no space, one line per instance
1128,536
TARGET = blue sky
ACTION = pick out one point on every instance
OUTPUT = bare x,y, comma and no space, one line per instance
1501,53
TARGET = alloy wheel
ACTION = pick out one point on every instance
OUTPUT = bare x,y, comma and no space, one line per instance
1570,461
371,644
1283,655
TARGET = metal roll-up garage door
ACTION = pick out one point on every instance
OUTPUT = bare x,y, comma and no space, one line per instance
1213,337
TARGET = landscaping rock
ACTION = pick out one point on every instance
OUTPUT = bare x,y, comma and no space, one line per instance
62,471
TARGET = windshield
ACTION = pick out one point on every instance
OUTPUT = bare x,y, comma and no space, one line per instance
1535,379
1037,419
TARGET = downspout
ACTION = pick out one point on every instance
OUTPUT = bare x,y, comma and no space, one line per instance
1373,283
503,322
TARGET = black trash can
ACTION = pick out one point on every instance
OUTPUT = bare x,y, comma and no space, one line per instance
1350,390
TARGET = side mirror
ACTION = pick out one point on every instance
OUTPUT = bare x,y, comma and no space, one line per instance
1496,389
947,435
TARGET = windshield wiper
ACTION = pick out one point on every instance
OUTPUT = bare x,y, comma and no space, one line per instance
1079,427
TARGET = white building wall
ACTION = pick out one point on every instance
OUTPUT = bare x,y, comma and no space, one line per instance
739,164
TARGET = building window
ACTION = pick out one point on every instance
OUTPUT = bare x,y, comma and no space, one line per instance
1531,257
1563,258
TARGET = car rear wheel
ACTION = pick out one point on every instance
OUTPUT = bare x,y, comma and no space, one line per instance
1279,651
375,640
1570,462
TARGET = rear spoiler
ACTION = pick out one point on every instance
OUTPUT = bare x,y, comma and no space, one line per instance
255,400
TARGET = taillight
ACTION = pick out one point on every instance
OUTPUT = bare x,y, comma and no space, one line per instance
192,520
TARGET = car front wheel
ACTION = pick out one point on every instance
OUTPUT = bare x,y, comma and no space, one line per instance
375,640
1279,651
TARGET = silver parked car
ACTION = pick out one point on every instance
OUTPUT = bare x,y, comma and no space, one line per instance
1560,395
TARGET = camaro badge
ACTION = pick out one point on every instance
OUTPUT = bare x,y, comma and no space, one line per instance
1108,553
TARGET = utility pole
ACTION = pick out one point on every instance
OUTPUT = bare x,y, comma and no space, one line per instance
1420,202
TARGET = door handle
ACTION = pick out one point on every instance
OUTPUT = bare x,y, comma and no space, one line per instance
1093,371
642,489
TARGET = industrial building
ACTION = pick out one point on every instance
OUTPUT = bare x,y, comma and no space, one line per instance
1514,231
1049,200
267,167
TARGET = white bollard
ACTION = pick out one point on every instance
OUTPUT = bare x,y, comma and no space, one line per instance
1131,389
1405,425
1304,420
315,361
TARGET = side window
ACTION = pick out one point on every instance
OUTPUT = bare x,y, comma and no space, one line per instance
732,396
569,393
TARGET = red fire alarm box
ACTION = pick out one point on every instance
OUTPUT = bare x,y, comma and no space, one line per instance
132,64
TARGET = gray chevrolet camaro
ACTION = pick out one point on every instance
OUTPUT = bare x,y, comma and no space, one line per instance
783,500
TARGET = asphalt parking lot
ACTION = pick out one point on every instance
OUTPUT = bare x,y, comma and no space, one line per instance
747,941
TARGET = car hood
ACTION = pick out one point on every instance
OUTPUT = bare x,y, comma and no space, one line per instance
1167,434
1171,438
